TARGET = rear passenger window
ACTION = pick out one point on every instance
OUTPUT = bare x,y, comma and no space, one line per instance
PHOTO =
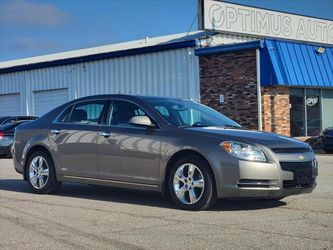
90,113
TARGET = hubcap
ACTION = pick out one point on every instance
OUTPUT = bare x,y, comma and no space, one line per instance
188,183
38,172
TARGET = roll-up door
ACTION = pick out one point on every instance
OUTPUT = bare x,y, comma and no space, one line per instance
45,101
10,105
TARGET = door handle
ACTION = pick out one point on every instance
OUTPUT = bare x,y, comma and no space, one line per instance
55,131
105,134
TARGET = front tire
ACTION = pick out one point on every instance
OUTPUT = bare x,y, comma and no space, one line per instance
191,184
40,173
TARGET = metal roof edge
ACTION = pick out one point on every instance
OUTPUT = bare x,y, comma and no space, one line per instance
101,56
257,44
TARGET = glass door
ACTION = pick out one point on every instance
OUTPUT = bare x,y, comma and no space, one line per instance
327,108
297,112
313,111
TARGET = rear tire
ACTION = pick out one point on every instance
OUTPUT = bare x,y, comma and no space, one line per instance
40,173
191,184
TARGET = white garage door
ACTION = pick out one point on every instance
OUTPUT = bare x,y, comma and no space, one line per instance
45,101
10,105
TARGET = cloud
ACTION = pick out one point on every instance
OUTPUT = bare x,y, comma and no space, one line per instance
27,13
32,45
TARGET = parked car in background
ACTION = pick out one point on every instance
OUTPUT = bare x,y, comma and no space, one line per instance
7,137
178,147
327,140
8,119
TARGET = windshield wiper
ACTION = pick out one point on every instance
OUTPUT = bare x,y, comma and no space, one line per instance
231,126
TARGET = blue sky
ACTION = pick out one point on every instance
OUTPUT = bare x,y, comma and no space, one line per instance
37,27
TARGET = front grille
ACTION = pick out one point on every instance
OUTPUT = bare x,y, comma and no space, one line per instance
293,183
303,174
292,166
290,150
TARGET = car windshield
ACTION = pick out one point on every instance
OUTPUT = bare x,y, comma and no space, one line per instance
2,119
10,125
185,113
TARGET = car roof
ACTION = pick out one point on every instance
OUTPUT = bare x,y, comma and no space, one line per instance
130,97
19,116
9,126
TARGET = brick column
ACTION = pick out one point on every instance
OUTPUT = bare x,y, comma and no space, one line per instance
233,75
276,110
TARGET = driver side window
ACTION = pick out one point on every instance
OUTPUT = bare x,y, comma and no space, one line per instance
121,112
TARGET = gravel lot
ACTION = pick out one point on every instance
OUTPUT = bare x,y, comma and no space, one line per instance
91,217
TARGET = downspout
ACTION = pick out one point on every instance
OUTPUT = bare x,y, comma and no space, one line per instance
259,90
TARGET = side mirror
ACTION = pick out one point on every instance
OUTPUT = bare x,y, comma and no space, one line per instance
141,121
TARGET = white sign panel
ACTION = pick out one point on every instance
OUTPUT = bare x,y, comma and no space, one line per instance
233,18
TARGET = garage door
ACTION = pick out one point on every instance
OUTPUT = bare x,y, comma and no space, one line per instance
10,105
45,101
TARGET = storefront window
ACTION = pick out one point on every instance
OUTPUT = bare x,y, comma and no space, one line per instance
327,108
313,104
297,119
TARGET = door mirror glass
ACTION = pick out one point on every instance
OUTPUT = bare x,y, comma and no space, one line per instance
141,121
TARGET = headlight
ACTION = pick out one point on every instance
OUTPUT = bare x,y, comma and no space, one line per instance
244,151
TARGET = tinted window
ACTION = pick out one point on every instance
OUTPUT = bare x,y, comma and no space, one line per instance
87,113
64,117
183,113
121,112
3,119
9,127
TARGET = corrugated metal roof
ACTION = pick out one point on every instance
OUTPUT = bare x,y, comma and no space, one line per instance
296,64
143,43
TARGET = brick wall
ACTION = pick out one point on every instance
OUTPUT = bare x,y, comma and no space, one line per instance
276,110
234,76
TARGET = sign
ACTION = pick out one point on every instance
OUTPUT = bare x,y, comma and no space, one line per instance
221,98
312,100
239,19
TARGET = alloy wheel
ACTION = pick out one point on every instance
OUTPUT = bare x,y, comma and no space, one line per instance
188,183
38,172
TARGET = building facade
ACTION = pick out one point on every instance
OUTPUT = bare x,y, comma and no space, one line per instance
296,85
263,82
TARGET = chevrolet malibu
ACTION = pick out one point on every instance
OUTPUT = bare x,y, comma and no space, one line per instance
183,149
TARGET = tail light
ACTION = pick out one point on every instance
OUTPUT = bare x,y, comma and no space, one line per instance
2,135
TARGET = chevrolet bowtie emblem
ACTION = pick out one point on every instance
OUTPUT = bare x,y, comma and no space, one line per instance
301,157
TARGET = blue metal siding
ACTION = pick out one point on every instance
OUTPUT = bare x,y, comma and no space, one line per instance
296,64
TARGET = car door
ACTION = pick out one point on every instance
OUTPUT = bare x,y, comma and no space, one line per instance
127,152
73,137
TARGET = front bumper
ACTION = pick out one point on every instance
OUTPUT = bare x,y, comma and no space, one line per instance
276,179
328,144
5,151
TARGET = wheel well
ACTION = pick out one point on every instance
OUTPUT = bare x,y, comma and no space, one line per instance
177,156
30,152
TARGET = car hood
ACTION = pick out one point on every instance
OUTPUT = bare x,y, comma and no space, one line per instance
328,131
269,140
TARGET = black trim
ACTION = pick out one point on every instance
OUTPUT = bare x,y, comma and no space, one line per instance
257,44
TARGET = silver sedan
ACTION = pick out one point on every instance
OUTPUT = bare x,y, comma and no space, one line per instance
185,150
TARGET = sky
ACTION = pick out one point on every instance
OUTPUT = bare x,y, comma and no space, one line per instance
37,27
